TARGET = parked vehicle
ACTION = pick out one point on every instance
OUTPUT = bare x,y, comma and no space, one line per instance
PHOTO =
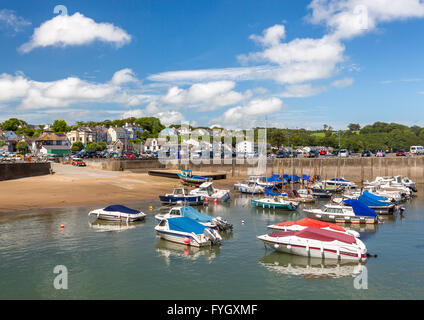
313,154
129,155
380,153
344,153
78,162
366,153
401,153
323,152
417,150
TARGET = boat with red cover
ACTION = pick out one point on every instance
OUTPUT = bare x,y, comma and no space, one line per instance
317,243
308,222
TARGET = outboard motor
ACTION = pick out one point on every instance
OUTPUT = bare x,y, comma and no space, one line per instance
212,236
222,224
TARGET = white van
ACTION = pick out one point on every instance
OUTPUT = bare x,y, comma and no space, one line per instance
417,150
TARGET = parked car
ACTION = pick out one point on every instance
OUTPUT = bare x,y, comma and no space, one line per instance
129,155
343,153
366,153
283,154
313,154
323,152
380,153
417,150
401,153
78,162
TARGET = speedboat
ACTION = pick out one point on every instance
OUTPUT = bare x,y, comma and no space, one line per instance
308,222
355,212
299,197
320,187
207,191
275,203
262,181
191,213
181,195
249,187
118,213
340,182
187,231
317,243
396,181
381,205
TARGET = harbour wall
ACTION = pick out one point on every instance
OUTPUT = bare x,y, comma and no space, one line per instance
355,169
18,170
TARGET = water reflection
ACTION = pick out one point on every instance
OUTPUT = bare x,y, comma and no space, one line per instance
167,249
117,226
310,268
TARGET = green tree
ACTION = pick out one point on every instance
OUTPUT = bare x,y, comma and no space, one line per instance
22,146
92,146
2,143
354,127
77,146
13,124
59,126
102,145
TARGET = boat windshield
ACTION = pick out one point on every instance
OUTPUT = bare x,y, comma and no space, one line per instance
174,212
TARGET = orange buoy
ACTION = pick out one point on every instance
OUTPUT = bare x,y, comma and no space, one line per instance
186,240
62,226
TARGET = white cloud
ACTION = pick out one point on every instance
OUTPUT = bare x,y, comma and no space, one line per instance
271,36
165,117
211,94
62,31
301,91
342,83
33,94
9,20
247,115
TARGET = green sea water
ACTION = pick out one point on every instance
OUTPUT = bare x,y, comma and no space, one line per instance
116,261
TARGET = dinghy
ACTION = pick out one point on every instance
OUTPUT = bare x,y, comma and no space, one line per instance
317,243
118,213
188,178
186,231
249,187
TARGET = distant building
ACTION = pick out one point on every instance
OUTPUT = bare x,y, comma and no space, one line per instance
51,143
245,147
133,130
154,144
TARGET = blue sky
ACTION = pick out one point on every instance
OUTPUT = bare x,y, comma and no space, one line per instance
230,63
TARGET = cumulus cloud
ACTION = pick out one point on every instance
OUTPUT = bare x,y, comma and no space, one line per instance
301,91
33,94
62,31
248,113
165,117
342,83
212,94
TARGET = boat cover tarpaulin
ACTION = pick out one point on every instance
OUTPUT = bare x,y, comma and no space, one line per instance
360,209
119,208
373,196
184,224
193,214
317,234
308,222
372,202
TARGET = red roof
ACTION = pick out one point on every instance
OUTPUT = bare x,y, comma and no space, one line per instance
317,234
308,222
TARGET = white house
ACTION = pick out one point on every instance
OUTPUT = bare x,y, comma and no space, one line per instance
154,144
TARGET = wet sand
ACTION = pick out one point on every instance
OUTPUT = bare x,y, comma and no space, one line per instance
81,186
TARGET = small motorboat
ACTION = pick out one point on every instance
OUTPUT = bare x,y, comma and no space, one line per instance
249,187
118,213
340,182
296,196
317,243
275,203
380,205
354,212
262,181
187,231
209,193
188,178
191,213
308,222
181,195
320,187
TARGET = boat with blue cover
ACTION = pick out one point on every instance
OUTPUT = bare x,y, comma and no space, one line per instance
382,206
191,213
186,231
118,213
188,178
354,211
181,195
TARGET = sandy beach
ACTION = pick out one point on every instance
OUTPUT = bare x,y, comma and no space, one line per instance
79,186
